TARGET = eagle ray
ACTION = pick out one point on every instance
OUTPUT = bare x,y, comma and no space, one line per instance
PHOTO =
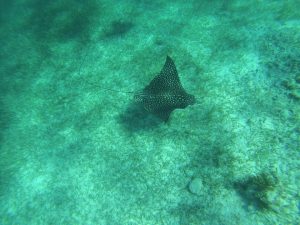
165,93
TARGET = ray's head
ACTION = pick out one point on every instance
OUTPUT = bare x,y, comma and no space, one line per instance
191,100
184,100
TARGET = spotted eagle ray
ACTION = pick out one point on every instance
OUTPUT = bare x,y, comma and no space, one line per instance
165,93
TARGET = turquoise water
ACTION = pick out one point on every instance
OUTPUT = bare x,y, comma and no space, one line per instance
76,149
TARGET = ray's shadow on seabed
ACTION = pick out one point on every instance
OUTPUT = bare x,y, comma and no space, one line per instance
135,118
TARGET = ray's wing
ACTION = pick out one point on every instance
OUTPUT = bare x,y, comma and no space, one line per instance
164,115
166,81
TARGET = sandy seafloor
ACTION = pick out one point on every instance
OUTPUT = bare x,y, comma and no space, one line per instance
74,152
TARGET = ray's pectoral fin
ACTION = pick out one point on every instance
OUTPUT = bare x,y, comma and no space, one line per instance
166,80
164,115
